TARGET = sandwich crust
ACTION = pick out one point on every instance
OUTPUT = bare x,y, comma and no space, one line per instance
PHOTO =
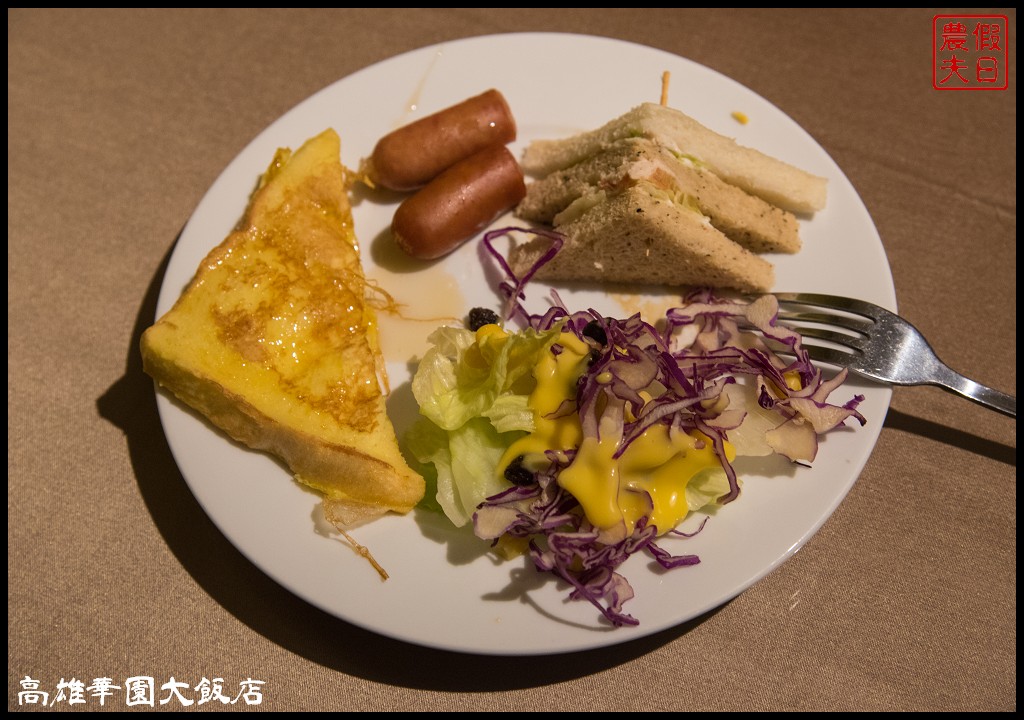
273,342
641,236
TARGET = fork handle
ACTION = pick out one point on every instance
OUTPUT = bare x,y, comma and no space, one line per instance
981,394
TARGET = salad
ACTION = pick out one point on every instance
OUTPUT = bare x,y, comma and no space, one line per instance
582,440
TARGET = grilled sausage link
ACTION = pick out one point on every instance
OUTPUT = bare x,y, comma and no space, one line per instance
412,156
458,203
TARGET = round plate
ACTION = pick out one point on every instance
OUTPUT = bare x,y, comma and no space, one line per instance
444,590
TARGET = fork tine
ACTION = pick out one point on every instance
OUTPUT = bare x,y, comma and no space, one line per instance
855,324
835,302
821,353
832,356
857,342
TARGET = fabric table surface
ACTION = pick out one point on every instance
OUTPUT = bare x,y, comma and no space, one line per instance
118,123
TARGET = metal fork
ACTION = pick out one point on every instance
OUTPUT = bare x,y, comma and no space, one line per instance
880,345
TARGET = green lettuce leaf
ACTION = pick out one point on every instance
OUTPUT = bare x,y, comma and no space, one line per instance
473,391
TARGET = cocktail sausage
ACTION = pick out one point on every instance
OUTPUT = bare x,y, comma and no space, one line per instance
458,203
412,156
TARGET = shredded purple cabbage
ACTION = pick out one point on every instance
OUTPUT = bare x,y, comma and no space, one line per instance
706,344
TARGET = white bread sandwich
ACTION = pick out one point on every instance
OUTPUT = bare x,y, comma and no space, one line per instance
773,180
746,219
274,342
654,197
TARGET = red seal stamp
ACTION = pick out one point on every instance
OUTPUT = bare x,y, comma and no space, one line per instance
970,52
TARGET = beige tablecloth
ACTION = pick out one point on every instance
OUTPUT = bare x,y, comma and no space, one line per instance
119,121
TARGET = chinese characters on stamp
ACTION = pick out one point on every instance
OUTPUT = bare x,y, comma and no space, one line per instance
970,52
139,690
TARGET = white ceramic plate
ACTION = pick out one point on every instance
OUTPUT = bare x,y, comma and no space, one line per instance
444,591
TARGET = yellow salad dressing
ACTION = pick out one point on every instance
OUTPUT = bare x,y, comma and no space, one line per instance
648,480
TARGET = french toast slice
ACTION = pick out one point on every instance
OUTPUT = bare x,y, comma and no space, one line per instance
273,341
